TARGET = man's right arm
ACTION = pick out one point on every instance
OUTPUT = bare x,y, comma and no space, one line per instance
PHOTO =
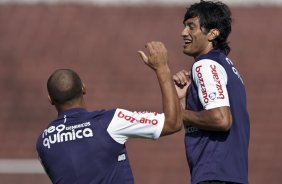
158,61
126,124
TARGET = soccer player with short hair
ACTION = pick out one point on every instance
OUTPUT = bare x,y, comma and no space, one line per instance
82,147
215,116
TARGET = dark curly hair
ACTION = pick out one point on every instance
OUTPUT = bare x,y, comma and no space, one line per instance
213,15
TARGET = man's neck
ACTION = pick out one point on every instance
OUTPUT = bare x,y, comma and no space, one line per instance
71,105
203,53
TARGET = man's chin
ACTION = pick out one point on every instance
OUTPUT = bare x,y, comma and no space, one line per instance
187,53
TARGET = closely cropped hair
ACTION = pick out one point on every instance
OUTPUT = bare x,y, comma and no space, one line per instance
213,15
64,85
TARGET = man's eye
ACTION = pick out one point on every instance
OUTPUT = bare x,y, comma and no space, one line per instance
188,26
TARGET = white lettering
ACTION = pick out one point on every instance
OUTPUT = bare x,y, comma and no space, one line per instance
237,73
87,132
77,134
51,129
46,142
51,137
234,70
121,157
65,136
60,128
229,61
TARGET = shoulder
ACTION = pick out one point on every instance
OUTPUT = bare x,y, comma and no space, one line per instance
103,116
208,71
214,55
205,65
103,113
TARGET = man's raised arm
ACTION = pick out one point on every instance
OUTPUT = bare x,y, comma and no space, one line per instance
157,59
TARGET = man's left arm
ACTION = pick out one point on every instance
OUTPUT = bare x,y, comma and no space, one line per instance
217,119
211,80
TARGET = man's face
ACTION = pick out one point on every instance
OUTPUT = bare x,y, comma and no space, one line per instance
196,41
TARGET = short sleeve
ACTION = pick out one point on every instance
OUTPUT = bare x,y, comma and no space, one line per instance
211,80
126,124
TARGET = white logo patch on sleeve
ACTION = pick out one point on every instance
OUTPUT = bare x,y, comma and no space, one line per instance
134,119
211,80
127,124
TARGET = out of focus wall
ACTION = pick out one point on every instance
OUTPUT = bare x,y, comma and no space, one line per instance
101,44
144,2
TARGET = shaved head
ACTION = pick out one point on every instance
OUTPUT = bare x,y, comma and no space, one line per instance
64,85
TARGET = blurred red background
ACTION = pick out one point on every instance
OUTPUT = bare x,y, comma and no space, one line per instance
101,44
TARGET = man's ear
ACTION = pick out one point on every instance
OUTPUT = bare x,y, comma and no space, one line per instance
83,89
213,34
50,100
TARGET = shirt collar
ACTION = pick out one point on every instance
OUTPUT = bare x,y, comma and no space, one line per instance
71,111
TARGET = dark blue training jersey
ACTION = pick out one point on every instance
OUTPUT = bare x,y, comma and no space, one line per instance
81,147
215,82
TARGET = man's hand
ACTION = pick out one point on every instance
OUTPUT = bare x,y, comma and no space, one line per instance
182,81
157,57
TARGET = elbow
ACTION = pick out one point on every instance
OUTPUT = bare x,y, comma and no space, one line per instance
224,125
176,125
172,124
171,127
179,123
223,121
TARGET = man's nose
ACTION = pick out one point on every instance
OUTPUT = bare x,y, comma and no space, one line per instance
185,31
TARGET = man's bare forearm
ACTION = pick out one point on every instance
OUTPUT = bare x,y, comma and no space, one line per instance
171,104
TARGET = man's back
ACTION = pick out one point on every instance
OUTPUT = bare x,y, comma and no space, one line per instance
77,148
88,148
